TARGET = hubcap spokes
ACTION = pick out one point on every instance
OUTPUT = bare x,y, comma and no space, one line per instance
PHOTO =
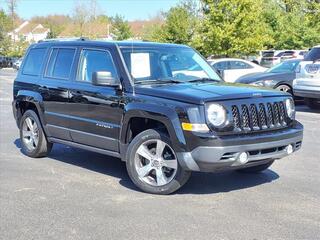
156,163
30,133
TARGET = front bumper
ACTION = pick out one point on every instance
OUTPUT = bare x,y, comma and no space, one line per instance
261,148
307,92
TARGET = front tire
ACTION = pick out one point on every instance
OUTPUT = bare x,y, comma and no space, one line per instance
33,140
152,164
285,88
256,169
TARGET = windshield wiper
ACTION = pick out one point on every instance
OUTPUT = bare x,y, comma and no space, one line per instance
204,80
157,81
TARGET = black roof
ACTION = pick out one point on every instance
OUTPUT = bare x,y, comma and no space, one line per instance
82,42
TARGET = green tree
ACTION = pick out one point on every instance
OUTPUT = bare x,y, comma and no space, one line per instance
293,24
120,28
5,25
231,27
179,26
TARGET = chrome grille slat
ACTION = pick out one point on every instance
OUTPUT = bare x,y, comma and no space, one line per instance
263,117
254,117
276,114
245,118
260,116
270,120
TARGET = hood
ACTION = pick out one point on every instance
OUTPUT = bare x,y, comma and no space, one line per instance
198,93
254,77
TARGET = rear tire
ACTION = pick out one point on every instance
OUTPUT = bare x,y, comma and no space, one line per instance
312,103
256,169
33,140
152,164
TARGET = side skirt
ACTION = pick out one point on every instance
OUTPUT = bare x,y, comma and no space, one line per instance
85,147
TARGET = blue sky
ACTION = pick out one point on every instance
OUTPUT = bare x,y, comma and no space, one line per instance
131,9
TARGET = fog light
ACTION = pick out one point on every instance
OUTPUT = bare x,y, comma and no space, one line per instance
289,149
243,158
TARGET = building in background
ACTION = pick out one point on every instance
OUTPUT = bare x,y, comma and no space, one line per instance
30,32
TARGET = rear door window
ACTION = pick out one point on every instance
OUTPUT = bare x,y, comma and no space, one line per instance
60,63
313,55
239,65
224,65
34,60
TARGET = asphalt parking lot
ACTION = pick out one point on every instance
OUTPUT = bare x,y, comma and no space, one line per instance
75,194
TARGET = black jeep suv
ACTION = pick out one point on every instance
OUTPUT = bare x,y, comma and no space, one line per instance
161,108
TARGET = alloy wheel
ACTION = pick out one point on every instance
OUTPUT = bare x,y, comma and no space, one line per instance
284,88
30,133
155,162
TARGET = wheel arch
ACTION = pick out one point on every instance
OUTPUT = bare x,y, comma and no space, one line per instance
284,83
159,116
29,100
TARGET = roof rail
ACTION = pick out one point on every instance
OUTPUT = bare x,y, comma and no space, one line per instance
63,39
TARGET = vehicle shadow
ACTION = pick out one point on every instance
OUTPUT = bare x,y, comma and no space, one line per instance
306,109
208,183
199,183
89,160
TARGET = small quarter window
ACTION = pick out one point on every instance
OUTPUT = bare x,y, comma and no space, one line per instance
60,63
34,61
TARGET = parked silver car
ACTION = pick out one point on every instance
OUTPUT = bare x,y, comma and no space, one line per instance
307,82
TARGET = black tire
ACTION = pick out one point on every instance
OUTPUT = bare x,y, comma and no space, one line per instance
256,169
43,147
180,178
312,103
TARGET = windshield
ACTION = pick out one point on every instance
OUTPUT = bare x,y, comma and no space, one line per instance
313,55
284,67
176,64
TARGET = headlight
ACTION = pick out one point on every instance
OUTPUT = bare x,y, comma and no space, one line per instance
217,115
290,108
264,83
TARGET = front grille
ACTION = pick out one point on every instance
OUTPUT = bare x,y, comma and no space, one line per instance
255,117
312,68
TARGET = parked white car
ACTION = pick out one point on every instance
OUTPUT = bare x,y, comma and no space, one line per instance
271,58
307,82
17,63
233,68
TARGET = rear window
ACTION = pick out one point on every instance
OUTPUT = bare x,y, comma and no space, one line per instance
33,63
289,53
268,54
60,63
313,55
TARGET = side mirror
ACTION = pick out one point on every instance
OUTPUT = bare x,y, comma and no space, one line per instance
104,79
221,73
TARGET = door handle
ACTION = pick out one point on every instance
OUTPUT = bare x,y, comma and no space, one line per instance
43,88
